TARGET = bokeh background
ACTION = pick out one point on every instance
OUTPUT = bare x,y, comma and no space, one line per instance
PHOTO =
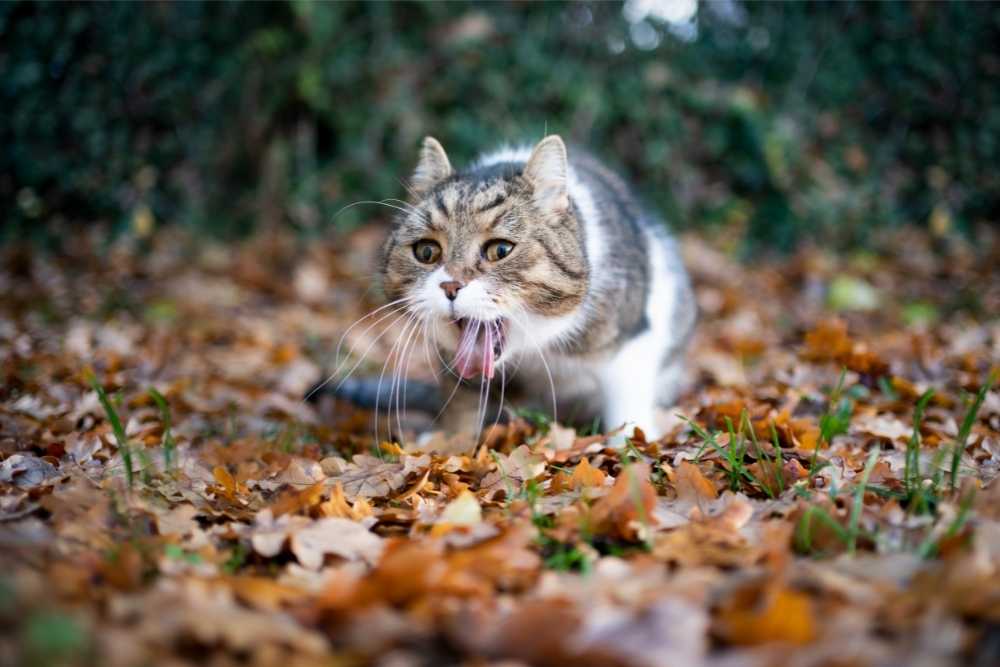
766,122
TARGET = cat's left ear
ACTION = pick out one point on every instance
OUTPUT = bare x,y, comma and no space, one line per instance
432,168
547,172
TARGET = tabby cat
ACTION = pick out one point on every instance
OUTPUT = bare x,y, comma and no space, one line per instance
542,267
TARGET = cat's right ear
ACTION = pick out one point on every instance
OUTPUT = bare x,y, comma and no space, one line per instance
432,168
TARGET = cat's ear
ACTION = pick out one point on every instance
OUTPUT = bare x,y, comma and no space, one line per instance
547,172
432,168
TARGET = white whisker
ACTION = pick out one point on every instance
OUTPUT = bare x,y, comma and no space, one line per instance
336,355
378,390
403,373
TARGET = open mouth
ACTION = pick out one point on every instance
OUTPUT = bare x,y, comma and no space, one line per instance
480,344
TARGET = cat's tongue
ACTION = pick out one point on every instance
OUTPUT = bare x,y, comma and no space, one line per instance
476,349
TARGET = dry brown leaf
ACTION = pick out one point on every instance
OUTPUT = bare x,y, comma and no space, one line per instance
626,512
332,535
692,485
886,427
337,506
369,477
512,471
26,472
264,593
293,501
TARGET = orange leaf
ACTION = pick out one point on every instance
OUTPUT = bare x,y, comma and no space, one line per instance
296,501
692,485
264,593
780,615
560,482
585,474
226,481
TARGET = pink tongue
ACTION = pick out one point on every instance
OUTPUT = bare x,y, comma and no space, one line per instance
473,355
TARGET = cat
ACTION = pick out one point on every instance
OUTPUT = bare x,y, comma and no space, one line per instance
541,267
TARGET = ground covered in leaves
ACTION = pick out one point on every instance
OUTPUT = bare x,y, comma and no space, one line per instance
826,493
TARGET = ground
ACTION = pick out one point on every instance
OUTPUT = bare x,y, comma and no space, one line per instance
166,497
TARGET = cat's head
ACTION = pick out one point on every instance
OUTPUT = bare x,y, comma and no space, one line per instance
491,257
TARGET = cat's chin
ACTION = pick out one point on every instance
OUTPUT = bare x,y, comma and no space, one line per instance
481,343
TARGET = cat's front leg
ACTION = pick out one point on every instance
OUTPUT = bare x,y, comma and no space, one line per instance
629,388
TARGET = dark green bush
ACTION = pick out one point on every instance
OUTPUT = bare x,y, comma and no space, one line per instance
781,119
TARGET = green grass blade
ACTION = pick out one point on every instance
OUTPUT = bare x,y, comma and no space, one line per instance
859,501
803,530
116,427
966,428
911,474
169,446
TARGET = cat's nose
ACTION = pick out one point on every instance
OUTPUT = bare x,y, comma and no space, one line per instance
451,288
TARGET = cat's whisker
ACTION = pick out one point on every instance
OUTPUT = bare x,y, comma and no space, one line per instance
374,342
336,355
394,381
403,302
503,384
409,207
367,201
458,381
484,385
503,387
484,378
424,333
400,366
378,390
402,380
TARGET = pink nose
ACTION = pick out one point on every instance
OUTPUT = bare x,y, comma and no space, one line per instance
451,288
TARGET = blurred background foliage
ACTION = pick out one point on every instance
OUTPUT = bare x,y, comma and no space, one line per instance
772,121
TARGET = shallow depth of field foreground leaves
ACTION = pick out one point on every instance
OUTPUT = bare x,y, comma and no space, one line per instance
826,493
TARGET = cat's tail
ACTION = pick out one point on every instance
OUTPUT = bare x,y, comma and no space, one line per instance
373,392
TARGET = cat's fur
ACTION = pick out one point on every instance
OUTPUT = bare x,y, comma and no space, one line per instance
593,296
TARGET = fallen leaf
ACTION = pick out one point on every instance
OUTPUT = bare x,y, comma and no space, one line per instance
692,485
512,471
370,477
462,511
585,475
333,535
226,482
774,614
626,512
26,472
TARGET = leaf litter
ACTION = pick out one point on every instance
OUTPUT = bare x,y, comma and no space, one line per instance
826,492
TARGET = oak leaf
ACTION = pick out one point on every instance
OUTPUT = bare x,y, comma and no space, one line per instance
332,535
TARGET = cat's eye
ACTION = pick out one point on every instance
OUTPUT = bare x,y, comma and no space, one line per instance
427,251
497,249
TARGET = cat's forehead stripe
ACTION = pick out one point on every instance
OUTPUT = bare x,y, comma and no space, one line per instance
439,203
